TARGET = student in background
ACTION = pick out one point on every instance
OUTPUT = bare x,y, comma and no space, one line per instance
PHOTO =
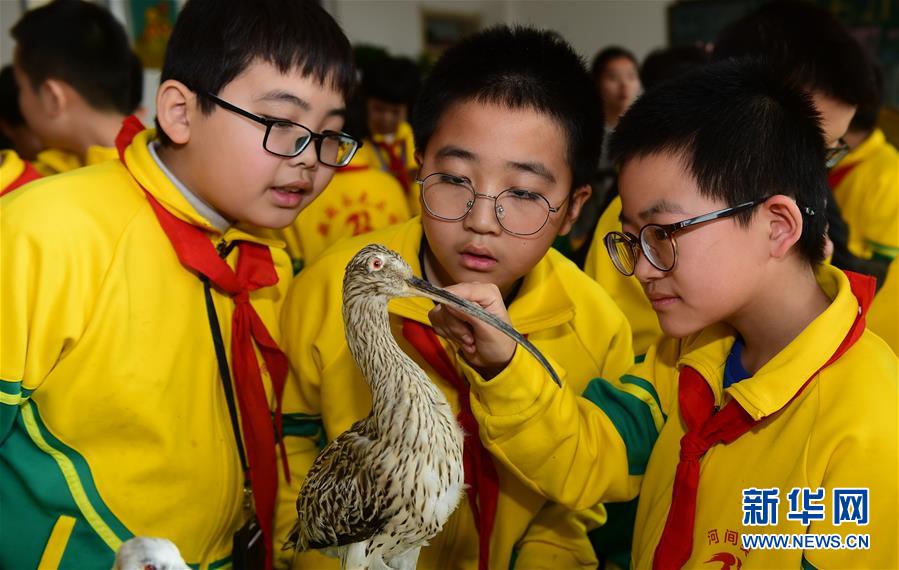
77,78
390,86
816,52
616,76
865,185
140,374
509,132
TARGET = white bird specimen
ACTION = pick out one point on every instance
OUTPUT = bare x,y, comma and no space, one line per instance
385,487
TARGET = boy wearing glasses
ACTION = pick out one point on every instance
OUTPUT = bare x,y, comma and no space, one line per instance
508,130
769,398
141,378
808,44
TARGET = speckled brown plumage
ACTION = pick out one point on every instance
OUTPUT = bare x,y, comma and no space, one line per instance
386,486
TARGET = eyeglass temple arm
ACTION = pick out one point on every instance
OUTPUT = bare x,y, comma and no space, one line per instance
712,216
238,110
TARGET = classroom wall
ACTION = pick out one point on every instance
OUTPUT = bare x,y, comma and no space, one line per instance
9,15
397,24
589,25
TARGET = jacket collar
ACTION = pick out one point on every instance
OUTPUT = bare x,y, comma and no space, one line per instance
11,167
775,384
866,149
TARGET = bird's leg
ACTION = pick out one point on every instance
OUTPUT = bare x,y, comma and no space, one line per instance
356,556
407,560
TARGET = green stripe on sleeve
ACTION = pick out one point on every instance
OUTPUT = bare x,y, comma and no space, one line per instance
12,393
632,417
806,565
649,390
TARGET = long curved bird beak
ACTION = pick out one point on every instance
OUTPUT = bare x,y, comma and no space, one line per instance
439,295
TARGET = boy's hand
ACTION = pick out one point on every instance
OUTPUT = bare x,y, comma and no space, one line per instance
483,347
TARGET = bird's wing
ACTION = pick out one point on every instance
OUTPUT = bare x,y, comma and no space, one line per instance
341,501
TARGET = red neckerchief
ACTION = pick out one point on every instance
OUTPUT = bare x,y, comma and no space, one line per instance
835,176
481,479
255,270
396,164
705,428
27,175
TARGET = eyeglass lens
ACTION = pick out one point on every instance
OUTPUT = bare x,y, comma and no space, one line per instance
519,212
287,139
656,244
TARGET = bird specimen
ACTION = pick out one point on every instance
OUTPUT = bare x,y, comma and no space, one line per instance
382,489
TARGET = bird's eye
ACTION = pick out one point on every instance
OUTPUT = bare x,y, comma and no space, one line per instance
376,264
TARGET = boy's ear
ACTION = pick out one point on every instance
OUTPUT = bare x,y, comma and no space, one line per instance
54,96
418,158
784,224
575,203
174,106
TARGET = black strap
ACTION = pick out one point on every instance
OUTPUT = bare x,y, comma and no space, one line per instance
224,371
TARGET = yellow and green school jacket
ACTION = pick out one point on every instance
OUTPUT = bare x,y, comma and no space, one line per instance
883,316
113,421
866,188
378,158
563,312
623,436
54,161
359,199
625,291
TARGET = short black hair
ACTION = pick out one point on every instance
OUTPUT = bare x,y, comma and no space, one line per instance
392,79
805,42
866,115
82,44
743,131
519,68
9,98
609,54
213,41
664,63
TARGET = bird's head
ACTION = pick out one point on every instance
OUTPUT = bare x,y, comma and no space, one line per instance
377,272
380,272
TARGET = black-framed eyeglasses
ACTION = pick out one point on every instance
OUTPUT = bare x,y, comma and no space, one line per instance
657,241
450,198
288,139
834,154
